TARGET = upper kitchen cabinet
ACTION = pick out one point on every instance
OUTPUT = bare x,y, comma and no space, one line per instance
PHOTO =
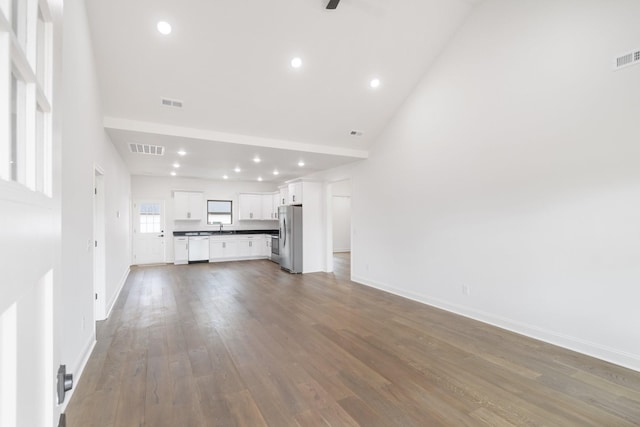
275,204
267,207
283,195
257,206
250,206
295,193
188,205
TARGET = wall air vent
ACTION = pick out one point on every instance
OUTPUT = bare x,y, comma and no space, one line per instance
630,58
153,150
174,103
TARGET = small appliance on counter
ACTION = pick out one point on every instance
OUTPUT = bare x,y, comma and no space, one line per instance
290,246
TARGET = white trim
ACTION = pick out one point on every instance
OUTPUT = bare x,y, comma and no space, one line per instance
588,348
77,369
112,303
230,138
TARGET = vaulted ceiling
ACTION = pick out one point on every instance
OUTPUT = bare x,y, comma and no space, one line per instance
229,63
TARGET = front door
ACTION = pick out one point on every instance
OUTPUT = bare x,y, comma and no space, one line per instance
148,232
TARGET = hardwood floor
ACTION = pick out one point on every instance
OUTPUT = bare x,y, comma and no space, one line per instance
246,344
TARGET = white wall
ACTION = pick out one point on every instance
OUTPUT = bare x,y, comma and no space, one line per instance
158,188
117,219
513,170
84,144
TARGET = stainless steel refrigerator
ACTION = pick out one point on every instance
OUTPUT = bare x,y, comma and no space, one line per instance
290,238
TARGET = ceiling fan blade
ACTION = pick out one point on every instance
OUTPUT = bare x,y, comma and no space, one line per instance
333,4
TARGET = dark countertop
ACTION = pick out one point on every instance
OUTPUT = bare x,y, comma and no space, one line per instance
224,232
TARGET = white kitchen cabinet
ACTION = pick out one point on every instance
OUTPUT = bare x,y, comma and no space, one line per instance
255,206
216,249
295,193
181,250
222,248
270,203
250,206
231,249
239,247
283,195
248,247
187,205
276,204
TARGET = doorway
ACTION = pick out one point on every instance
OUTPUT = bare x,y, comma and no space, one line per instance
339,228
148,232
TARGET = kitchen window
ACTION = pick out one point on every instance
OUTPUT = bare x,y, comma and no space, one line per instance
219,212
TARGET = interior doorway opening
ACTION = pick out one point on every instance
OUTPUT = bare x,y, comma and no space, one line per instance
339,227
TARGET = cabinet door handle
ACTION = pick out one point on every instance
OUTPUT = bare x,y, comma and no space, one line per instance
294,197
188,214
250,244
224,245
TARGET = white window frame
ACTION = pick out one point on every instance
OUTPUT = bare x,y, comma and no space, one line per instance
28,56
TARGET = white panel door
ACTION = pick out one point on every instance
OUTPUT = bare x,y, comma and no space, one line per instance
148,232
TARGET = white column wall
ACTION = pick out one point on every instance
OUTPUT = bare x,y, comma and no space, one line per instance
85,144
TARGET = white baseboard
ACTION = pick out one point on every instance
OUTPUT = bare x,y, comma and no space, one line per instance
608,354
77,369
112,303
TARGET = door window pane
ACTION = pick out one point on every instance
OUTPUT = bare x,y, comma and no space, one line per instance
150,221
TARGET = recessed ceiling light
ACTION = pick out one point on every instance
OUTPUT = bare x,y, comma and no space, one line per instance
173,173
225,177
257,159
275,172
176,165
182,153
374,83
259,178
296,62
237,169
164,27
301,163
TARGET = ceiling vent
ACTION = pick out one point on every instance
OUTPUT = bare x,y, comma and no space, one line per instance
356,133
153,150
623,61
174,103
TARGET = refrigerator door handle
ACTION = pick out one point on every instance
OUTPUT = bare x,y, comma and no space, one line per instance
284,242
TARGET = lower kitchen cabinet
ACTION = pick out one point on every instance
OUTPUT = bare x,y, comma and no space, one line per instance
181,250
250,246
238,247
222,248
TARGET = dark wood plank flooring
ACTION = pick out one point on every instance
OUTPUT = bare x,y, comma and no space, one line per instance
246,344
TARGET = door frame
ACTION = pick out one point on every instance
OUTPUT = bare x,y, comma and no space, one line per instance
99,250
135,224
